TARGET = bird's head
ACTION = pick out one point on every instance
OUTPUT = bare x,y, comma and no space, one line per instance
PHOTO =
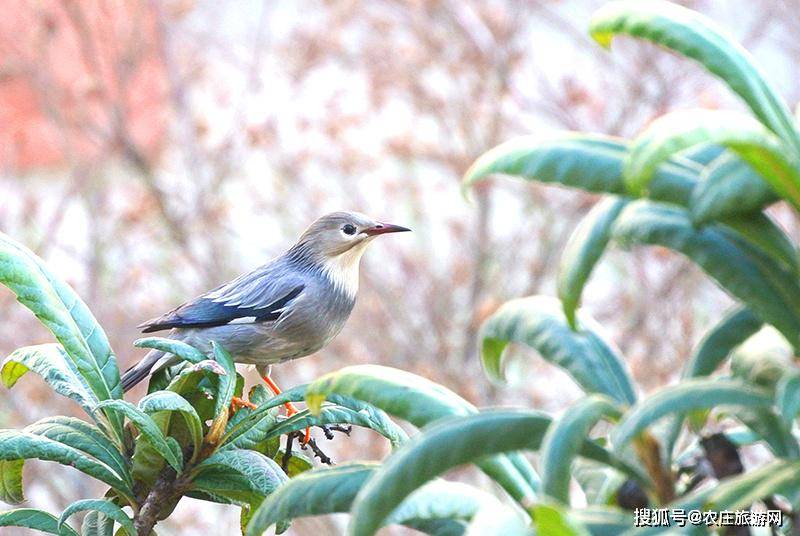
343,235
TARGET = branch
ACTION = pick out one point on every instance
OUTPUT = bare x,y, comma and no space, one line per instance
649,452
160,501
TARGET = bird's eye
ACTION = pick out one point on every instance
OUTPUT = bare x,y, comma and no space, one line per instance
349,229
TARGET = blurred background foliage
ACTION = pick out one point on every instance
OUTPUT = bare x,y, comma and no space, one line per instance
151,150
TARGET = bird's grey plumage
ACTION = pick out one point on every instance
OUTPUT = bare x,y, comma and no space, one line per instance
288,308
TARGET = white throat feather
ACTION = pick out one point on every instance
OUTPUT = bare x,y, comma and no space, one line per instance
343,268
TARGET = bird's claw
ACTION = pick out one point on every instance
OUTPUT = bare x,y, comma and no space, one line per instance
239,403
291,409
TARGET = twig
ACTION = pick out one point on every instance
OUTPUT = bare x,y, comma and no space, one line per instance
287,455
324,458
327,429
649,452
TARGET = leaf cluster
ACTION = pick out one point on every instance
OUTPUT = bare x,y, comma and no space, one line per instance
696,182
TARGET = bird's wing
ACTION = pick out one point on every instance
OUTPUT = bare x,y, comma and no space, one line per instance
258,296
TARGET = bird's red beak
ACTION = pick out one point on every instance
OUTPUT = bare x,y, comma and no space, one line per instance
383,228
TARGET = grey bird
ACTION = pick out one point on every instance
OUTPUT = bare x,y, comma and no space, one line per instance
288,308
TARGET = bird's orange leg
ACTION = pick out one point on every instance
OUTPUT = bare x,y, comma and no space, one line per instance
290,408
239,403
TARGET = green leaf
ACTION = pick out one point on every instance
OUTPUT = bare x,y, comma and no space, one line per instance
296,464
226,390
762,360
51,362
761,231
736,327
440,500
97,524
703,155
756,279
242,476
772,430
333,415
219,499
513,473
84,437
254,429
189,377
569,160
740,492
678,131
324,490
146,463
438,527
589,162
776,478
787,396
17,445
11,481
107,508
582,251
552,519
249,432
603,521
539,323
179,349
728,188
376,418
697,37
169,401
57,306
31,518
420,402
468,438
563,440
598,482
332,490
227,382
148,429
159,380
403,394
687,396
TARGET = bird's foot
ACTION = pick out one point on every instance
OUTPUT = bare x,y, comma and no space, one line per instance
239,403
291,409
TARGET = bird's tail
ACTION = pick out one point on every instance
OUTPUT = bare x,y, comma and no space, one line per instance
141,370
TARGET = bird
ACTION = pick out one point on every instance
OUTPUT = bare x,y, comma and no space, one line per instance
288,308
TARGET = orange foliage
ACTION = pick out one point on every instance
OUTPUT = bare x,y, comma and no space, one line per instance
78,79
